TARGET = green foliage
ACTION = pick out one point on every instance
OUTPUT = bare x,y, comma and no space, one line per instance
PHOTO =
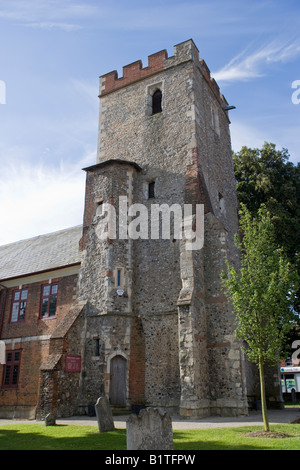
265,176
262,290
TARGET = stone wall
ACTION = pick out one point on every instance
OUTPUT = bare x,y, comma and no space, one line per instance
173,324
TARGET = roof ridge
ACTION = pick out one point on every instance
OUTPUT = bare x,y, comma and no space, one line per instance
42,235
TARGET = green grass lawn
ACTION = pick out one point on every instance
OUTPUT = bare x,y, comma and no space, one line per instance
76,437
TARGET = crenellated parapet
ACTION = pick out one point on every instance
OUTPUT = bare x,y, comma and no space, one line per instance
132,73
157,62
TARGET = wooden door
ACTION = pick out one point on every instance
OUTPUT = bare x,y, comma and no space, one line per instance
117,389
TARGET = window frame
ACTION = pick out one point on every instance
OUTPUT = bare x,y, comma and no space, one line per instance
47,316
11,364
19,301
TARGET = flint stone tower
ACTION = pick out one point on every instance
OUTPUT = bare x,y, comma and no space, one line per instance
158,329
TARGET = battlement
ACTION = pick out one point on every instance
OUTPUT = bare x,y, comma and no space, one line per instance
212,83
157,62
132,73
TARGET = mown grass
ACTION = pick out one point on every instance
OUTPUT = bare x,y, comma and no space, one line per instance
77,437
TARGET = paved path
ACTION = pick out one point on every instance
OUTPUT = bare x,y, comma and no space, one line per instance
287,415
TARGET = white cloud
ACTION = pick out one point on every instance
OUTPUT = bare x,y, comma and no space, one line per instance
248,65
39,199
54,25
31,10
245,134
41,179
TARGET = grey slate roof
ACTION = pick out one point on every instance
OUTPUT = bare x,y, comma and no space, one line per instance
41,253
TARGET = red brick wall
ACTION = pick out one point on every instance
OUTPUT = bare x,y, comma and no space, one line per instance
133,72
34,352
137,363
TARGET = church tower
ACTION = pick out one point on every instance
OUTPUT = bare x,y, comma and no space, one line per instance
158,329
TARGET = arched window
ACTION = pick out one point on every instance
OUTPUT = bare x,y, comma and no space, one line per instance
156,102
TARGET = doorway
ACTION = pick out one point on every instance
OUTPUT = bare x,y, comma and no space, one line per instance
117,387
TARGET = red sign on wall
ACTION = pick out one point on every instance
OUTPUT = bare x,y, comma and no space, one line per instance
73,363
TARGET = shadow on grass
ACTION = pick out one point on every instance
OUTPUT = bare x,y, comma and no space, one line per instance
79,437
236,439
210,441
60,437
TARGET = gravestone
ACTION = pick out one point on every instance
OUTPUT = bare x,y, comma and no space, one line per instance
50,420
149,430
104,415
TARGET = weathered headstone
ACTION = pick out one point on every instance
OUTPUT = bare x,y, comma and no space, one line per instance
150,430
104,415
50,420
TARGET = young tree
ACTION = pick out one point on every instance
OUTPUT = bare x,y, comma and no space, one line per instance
261,291
266,176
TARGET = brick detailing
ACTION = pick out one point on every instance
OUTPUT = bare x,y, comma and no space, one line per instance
137,363
58,388
212,83
156,63
195,187
133,72
38,350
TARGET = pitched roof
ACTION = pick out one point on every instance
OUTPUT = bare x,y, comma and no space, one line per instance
41,253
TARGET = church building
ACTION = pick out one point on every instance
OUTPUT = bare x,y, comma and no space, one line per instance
120,306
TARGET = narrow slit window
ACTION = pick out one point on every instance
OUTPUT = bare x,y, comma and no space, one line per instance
156,102
151,190
119,277
97,347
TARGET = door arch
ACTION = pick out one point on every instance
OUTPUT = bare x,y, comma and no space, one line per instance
117,383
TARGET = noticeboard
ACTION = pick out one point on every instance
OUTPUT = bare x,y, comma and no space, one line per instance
73,363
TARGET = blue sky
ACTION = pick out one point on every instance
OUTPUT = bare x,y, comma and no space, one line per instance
53,52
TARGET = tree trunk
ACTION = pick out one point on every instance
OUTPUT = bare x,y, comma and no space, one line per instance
263,395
